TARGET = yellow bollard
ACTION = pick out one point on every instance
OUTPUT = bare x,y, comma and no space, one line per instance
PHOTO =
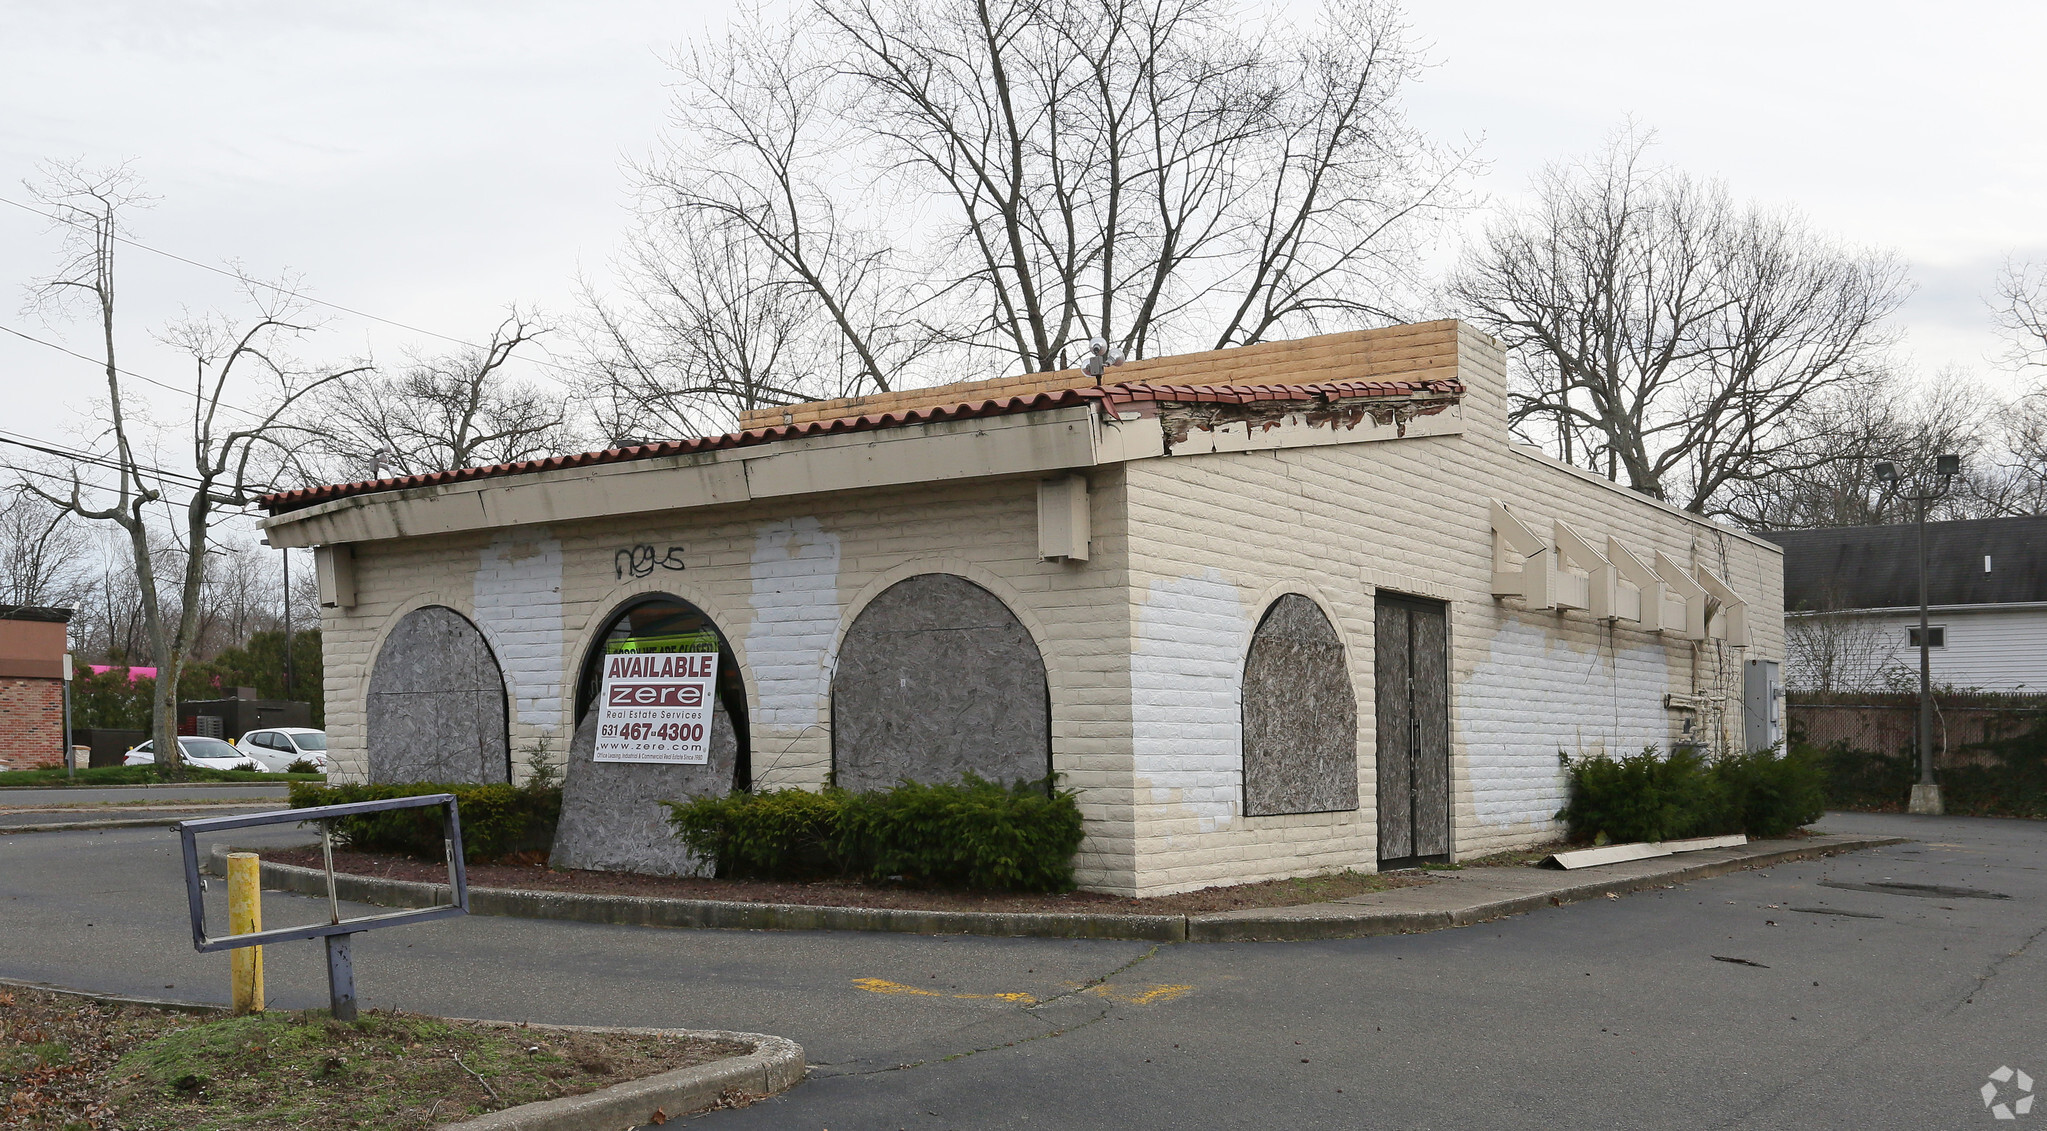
245,915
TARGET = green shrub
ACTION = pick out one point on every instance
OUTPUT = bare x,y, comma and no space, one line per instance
497,820
1641,797
1772,794
1859,779
972,833
1645,797
776,834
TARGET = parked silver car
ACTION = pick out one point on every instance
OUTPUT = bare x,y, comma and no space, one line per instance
276,748
211,753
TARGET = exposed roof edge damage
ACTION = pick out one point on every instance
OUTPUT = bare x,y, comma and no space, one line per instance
1114,400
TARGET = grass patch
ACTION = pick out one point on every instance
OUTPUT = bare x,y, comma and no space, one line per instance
143,775
144,1069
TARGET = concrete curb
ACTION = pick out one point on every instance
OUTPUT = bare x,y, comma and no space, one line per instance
155,785
774,1065
1349,926
1304,922
117,999
653,911
129,823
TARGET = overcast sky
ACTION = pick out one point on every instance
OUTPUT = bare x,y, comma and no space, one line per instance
430,163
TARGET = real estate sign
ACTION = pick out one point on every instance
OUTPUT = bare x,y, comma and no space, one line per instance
656,701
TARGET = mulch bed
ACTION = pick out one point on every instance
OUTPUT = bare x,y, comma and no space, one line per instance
70,1063
535,875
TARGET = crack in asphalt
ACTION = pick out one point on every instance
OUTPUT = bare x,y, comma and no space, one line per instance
1059,1031
1827,1064
1995,968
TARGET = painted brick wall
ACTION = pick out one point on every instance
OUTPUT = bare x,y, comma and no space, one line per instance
31,723
783,582
1145,642
1226,535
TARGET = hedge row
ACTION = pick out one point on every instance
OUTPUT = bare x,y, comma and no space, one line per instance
969,834
2005,778
497,820
1646,797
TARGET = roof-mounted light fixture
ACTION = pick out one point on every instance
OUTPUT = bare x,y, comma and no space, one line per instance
1099,356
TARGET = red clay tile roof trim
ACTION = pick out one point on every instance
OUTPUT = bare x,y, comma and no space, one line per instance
1108,396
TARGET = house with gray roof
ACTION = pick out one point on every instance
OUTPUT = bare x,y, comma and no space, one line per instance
1851,600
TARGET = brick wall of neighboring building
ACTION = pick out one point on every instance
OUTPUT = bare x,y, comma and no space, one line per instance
31,723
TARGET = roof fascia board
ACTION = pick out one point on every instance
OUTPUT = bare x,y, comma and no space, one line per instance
1025,443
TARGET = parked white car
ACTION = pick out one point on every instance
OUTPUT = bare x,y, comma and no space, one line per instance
212,753
276,748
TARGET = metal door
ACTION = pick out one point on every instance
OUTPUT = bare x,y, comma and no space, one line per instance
1413,705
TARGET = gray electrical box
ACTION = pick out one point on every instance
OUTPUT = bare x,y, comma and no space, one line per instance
1762,705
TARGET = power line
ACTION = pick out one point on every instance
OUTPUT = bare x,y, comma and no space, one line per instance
95,459
67,481
279,288
193,393
110,463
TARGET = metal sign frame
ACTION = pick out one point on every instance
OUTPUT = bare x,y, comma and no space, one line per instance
458,880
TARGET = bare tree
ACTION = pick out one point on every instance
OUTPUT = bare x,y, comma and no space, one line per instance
2021,309
45,557
228,450
443,412
1836,441
1830,652
939,188
1669,338
695,338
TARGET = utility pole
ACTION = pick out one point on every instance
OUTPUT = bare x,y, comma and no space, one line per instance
287,616
287,619
1926,798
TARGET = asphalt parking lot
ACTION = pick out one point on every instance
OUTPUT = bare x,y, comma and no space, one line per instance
1875,989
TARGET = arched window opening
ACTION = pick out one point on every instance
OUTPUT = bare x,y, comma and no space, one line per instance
647,621
937,678
1300,715
436,706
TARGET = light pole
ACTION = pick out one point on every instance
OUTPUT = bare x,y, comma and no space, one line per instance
287,616
1925,792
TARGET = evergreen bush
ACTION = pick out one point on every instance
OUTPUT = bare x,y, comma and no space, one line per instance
497,820
972,833
1647,797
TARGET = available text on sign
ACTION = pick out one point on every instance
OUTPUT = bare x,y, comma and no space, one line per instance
656,707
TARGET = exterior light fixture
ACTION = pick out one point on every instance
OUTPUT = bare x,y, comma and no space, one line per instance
1100,354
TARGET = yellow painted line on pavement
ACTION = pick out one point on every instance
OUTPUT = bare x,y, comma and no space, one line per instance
883,986
1132,995
1149,994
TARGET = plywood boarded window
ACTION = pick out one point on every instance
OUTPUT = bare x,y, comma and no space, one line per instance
937,678
437,703
1300,715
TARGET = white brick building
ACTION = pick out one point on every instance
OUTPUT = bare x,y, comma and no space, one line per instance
1138,534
